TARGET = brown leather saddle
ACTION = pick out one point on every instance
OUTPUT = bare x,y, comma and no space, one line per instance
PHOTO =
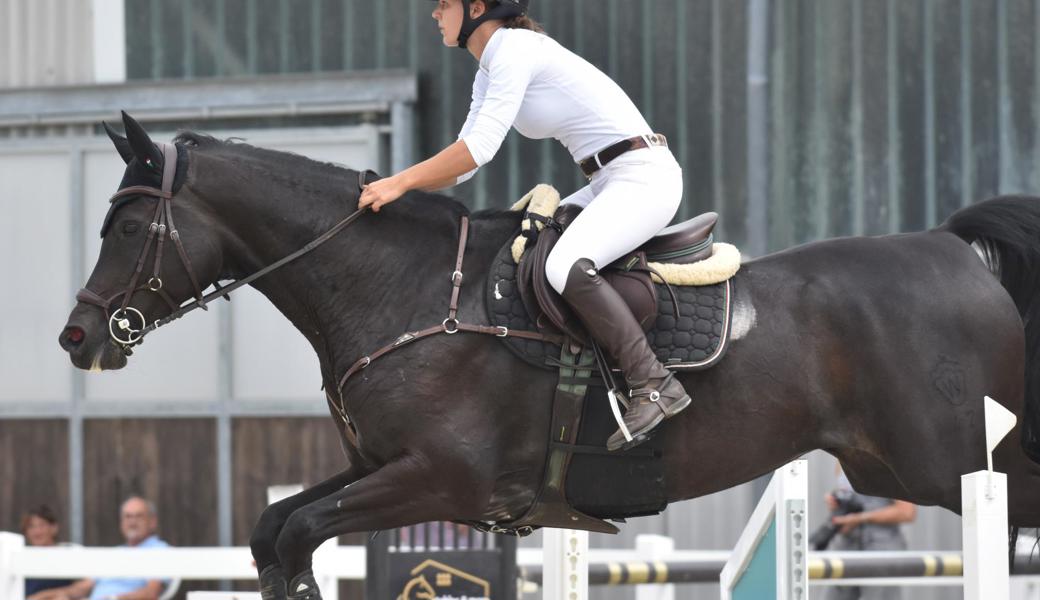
683,243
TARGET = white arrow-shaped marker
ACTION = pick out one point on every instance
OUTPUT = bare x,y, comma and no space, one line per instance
999,421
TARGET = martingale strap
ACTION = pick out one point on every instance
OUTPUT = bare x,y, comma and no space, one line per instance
449,326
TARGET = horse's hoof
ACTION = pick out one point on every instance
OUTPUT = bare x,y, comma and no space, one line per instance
272,583
304,587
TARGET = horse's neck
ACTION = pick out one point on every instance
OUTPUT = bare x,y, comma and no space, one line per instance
374,278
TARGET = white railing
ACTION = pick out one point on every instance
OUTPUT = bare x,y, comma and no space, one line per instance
333,562
18,562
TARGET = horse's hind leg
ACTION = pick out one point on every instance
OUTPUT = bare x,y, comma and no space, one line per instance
269,526
400,493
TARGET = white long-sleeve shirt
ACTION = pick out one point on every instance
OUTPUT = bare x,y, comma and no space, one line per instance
529,81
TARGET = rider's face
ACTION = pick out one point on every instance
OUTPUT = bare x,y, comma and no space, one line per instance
448,15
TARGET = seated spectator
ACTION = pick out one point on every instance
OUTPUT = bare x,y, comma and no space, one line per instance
40,528
138,521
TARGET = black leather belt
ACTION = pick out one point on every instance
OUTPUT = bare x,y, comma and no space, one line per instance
600,159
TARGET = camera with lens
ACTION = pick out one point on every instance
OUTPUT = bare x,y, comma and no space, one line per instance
847,504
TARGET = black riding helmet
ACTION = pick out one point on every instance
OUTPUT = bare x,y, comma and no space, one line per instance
505,9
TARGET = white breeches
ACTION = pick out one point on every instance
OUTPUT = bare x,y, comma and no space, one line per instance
627,202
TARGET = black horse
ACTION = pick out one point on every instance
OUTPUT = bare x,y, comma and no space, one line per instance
878,350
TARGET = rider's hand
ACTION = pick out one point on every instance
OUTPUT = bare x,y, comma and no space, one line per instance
381,192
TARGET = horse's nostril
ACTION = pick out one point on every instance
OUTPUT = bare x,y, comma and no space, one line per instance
72,337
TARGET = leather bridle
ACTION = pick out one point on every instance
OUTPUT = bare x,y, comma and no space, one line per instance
124,334
127,325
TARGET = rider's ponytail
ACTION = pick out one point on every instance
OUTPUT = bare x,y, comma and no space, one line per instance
523,22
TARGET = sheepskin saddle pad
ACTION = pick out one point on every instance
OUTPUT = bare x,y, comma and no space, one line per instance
677,285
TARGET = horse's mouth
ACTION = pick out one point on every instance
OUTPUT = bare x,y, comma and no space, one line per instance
106,357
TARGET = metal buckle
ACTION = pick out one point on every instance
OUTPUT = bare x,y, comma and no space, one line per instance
502,331
456,277
453,329
120,319
365,361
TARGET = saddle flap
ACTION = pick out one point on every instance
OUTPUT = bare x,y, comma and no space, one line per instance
552,305
630,277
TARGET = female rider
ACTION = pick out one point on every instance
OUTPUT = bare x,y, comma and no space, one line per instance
528,81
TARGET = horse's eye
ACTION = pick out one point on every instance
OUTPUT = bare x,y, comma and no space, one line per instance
130,227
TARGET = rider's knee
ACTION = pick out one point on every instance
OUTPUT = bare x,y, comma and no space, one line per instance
558,268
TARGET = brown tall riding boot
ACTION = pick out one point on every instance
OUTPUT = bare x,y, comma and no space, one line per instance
655,394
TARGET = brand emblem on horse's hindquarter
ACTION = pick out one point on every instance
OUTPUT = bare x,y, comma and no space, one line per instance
948,379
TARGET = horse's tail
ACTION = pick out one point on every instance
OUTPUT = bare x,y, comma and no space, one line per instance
1006,232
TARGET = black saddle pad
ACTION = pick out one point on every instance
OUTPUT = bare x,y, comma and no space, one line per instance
695,341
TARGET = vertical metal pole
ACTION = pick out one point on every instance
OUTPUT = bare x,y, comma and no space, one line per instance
77,379
1008,173
402,143
252,43
856,123
717,112
966,106
758,127
895,141
188,50
930,173
225,383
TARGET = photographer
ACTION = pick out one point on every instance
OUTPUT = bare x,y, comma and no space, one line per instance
874,526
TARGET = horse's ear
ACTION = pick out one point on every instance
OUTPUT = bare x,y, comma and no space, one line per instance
143,147
121,144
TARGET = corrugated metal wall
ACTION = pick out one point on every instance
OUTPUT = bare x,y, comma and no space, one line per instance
45,42
879,115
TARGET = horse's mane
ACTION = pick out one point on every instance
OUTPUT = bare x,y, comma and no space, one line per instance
423,204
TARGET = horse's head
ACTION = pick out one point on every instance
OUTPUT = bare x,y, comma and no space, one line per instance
158,250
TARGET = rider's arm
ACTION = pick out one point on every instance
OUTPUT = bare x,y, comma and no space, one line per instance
441,170
900,511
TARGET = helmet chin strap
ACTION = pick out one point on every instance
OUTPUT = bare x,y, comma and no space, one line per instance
504,10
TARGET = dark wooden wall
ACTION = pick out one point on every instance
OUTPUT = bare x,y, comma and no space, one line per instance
34,469
170,461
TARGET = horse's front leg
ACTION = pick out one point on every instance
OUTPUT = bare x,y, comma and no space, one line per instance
271,522
398,494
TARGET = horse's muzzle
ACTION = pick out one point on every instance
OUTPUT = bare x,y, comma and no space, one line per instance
87,341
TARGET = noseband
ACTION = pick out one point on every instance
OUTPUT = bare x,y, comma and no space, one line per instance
127,325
